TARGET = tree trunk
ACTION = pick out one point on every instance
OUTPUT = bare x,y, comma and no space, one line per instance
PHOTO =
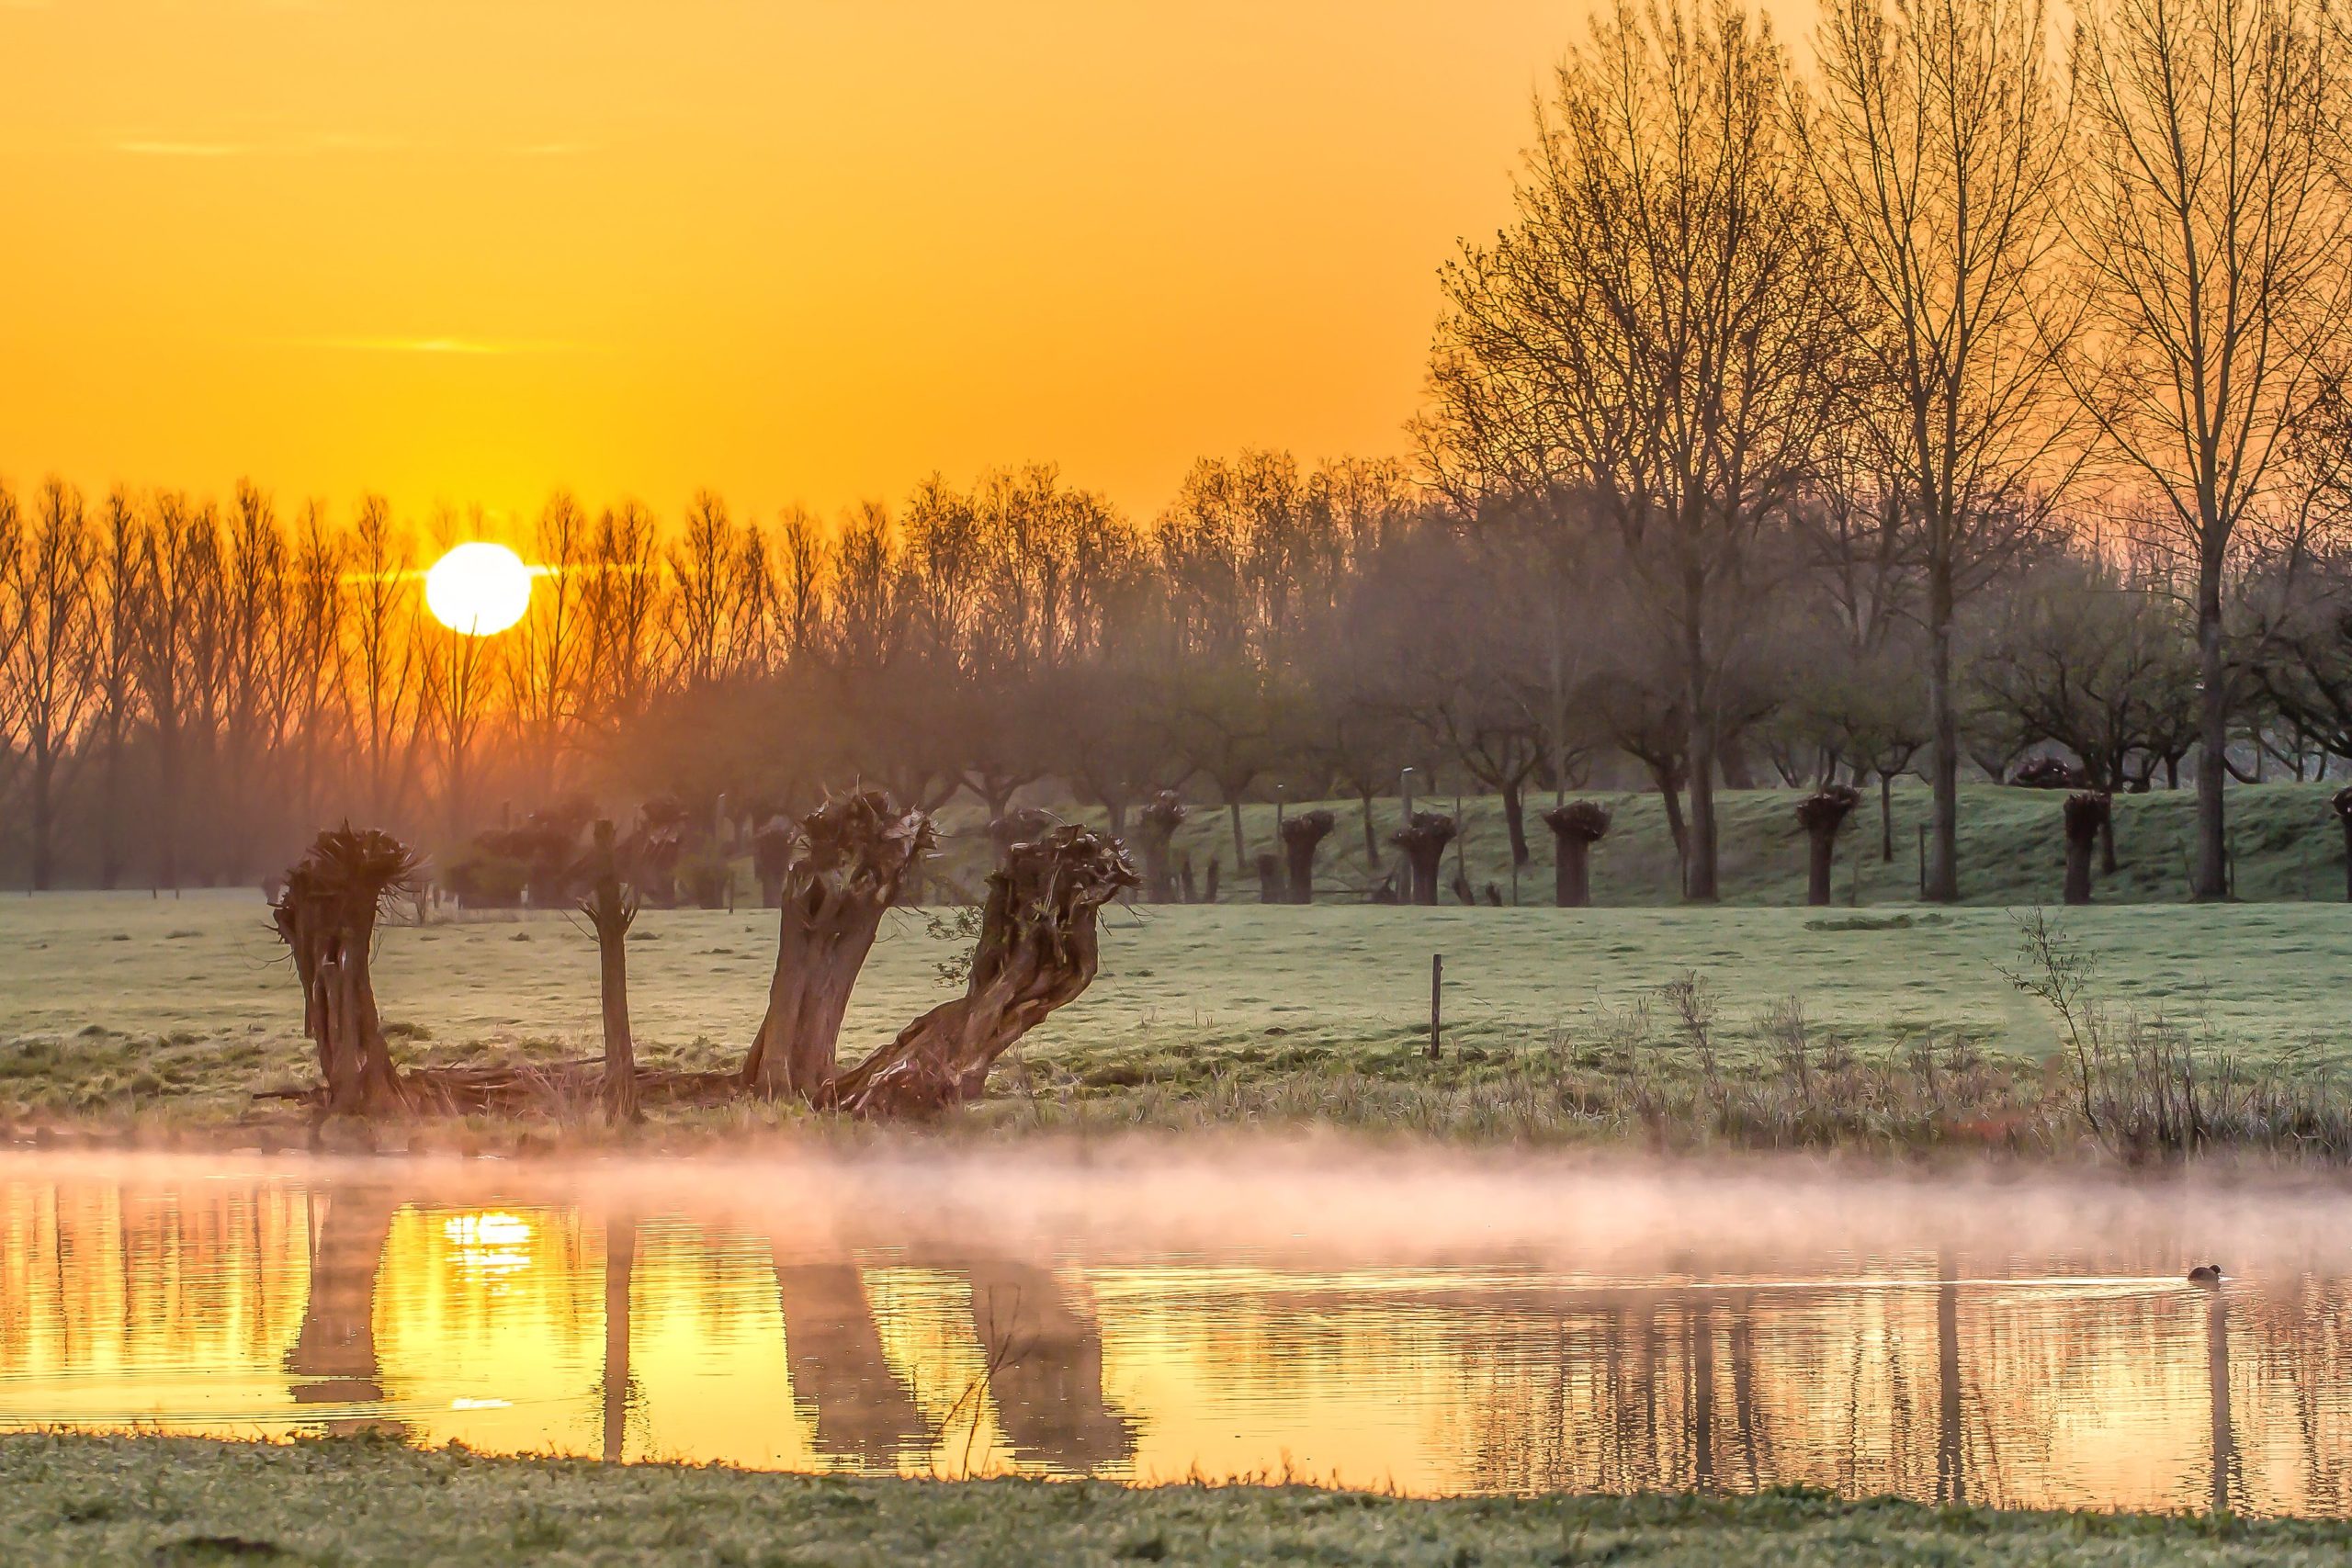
1700,883
1885,818
1423,840
1943,746
110,811
1161,820
1371,837
326,913
1037,951
1302,835
2085,815
1240,846
1822,814
1515,821
2212,878
43,824
1574,829
2343,805
610,913
853,853
1270,879
1572,875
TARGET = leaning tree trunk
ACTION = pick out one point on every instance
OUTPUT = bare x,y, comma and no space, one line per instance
1575,827
611,909
852,856
2086,815
1821,814
1423,840
326,914
1037,949
2343,805
1161,820
1301,835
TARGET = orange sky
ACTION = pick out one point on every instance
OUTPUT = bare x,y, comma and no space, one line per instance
806,250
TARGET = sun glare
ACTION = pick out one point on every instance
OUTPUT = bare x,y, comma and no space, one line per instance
477,589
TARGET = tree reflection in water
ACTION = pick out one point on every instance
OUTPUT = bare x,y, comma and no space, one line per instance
334,1360
633,1327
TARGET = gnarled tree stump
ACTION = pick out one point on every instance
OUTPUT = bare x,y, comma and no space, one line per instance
2086,815
1821,814
2342,806
1423,840
1301,835
326,912
1270,879
1037,951
851,856
1161,820
1575,827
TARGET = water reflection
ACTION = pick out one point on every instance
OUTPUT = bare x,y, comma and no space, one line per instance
535,1313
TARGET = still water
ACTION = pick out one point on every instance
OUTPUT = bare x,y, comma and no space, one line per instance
1430,1327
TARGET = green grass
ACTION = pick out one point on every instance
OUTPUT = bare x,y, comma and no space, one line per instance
2287,846
356,1501
120,1006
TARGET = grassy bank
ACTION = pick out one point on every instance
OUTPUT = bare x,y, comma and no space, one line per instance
1757,1027
348,1500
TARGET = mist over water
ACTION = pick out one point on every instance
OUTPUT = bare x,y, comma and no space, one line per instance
1432,1321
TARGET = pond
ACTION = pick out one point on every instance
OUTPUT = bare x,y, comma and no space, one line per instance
1425,1324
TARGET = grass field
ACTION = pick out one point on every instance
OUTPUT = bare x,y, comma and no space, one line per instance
2286,843
71,1500
112,1004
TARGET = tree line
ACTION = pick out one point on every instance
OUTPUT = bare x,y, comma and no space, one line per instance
1962,399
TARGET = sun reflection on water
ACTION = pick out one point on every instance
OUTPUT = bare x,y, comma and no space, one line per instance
284,1305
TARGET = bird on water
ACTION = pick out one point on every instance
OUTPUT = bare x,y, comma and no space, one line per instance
2205,1274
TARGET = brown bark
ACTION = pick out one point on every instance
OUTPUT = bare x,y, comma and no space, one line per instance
326,913
1037,951
1161,820
1423,840
851,854
1822,814
1575,827
1270,879
611,910
2086,815
1302,835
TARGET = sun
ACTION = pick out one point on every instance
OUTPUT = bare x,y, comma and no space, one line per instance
477,589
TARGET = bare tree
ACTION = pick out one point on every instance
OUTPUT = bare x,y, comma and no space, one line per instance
1660,328
46,581
383,682
113,669
547,659
2210,227
1936,143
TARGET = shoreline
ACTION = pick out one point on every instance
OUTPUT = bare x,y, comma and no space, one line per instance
362,1499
